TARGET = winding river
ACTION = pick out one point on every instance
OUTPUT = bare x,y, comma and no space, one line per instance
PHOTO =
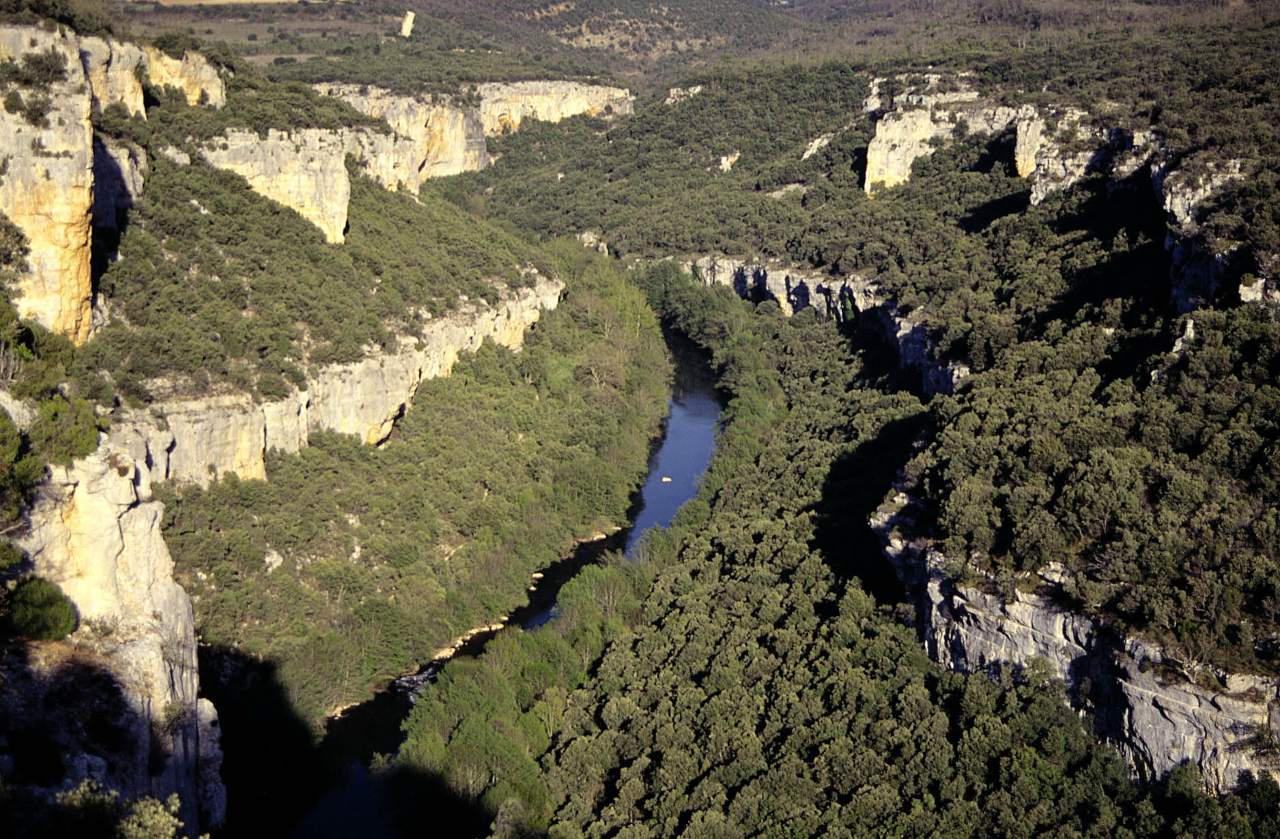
679,459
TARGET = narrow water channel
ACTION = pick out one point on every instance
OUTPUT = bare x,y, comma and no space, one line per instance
676,466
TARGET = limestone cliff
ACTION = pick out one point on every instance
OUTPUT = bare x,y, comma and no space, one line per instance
931,109
193,74
448,138
392,161
47,188
505,105
1156,719
195,441
114,69
304,170
795,288
95,531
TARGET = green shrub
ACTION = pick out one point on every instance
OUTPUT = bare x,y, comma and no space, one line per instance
38,610
65,429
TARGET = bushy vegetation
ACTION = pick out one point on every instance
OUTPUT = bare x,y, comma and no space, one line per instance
390,553
739,679
38,610
218,284
1081,441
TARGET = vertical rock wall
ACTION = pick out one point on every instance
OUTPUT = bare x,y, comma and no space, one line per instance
95,531
305,170
47,187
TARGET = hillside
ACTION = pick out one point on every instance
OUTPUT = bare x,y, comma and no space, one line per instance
604,418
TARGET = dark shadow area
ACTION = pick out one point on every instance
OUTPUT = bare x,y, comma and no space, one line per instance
64,718
981,217
112,203
282,782
855,485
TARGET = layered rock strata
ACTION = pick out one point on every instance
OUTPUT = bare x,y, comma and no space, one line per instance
1156,718
196,441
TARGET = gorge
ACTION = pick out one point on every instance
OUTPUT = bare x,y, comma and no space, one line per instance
569,419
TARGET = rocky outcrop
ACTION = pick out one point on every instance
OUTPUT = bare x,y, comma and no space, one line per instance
95,532
448,139
680,94
304,170
193,74
47,187
505,105
119,171
196,441
795,288
932,109
1196,268
390,160
1134,693
406,24
114,70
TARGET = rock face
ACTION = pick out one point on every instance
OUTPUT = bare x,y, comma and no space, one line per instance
390,160
680,94
113,69
1156,720
930,111
795,288
505,105
448,139
95,531
406,25
305,170
1196,268
47,188
196,441
192,74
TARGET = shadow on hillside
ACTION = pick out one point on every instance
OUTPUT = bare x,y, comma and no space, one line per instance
854,487
64,718
282,782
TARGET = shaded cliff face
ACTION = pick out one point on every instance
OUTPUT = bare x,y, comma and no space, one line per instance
305,170
1157,720
503,106
195,441
95,531
47,188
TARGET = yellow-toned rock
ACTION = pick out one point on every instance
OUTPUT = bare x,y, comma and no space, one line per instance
1029,139
406,25
193,74
112,68
47,189
505,105
304,170
448,139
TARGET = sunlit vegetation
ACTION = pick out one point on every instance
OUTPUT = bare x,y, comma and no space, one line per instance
389,553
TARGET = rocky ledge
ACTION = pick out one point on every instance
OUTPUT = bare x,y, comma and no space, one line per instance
1135,695
198,440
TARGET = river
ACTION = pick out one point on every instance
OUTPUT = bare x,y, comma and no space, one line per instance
678,462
